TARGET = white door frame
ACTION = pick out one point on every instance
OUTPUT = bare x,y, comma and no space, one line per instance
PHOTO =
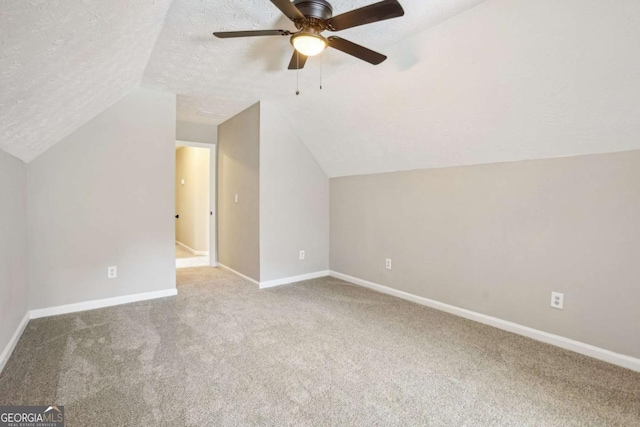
213,218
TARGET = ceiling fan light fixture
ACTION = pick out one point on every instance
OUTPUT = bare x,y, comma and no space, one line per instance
312,17
309,44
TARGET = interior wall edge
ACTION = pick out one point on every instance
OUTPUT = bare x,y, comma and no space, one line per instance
11,345
486,164
238,192
293,279
237,273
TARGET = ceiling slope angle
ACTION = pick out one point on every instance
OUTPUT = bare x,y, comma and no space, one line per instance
223,77
63,63
505,81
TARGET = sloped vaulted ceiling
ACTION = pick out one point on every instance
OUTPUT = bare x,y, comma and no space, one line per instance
64,62
505,81
222,77
467,81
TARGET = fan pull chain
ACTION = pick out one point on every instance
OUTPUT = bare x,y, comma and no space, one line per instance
321,60
297,73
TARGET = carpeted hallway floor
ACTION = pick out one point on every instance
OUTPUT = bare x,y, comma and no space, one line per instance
185,259
320,352
182,252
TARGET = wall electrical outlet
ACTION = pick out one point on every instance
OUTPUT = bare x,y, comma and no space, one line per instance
303,254
235,199
112,272
387,264
557,300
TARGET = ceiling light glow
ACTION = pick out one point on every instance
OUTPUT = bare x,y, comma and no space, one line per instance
309,44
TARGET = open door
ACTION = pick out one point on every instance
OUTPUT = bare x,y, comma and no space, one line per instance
195,207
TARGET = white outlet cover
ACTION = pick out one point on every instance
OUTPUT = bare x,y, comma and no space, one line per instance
387,264
236,198
303,254
112,272
557,300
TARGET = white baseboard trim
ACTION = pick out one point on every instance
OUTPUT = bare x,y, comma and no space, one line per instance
221,265
557,340
199,261
11,345
193,251
276,282
107,302
293,279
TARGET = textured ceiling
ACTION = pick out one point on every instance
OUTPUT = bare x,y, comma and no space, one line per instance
63,62
507,80
223,77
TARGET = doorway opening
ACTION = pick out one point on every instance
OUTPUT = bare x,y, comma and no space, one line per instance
194,205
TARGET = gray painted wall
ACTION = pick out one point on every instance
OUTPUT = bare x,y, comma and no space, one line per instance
497,239
13,246
294,202
196,132
239,173
105,196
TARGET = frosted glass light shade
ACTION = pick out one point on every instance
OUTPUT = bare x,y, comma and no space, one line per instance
309,44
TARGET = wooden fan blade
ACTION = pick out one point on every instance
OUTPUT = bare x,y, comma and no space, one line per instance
297,61
381,11
356,50
289,10
257,33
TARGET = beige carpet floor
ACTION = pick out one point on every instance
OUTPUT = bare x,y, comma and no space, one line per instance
317,353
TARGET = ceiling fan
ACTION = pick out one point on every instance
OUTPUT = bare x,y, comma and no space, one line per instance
312,17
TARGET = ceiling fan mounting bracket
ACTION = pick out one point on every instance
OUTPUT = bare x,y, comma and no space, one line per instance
314,9
314,24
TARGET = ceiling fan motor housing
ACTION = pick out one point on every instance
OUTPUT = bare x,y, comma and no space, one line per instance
318,9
